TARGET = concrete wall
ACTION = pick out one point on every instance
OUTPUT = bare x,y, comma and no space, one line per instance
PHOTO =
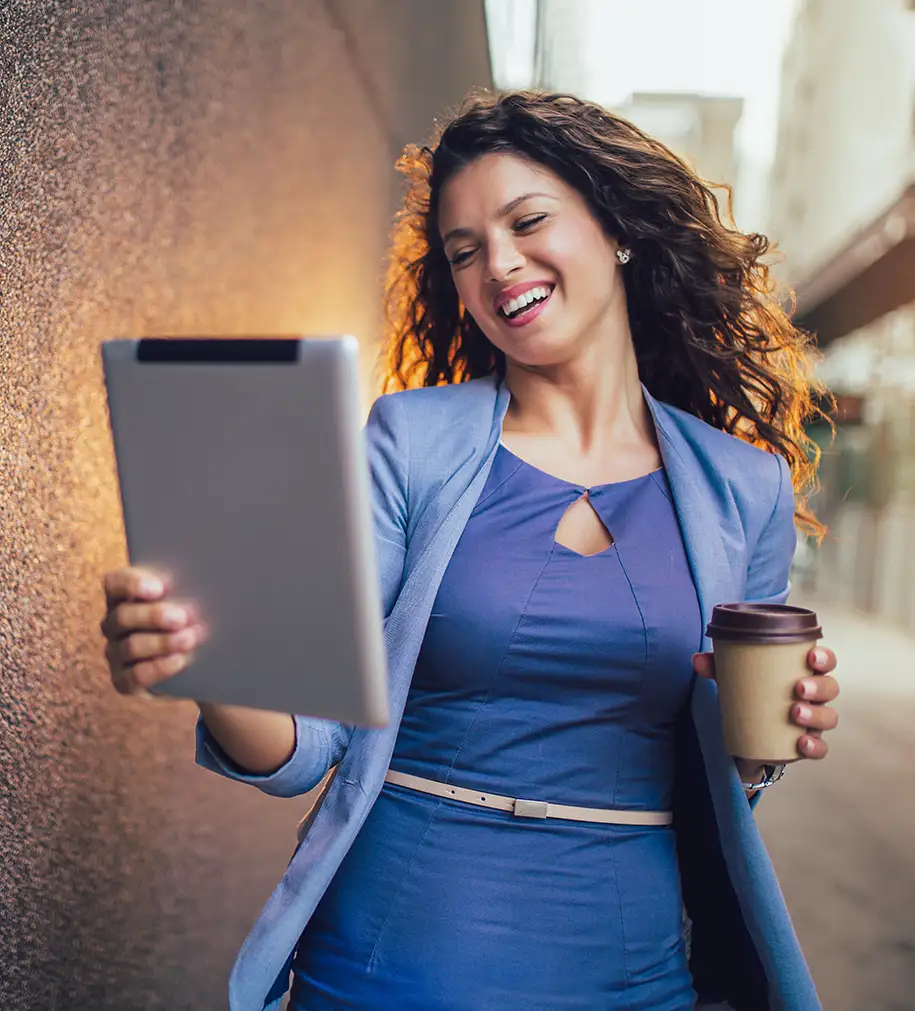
166,167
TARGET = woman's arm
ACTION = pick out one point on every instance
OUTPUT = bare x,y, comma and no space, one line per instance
289,755
768,582
255,740
770,560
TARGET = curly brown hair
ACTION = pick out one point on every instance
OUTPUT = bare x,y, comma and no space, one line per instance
711,335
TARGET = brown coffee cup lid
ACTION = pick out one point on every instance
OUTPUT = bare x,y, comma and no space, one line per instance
763,623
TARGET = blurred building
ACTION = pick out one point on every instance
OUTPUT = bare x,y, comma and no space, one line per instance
543,43
512,32
843,211
699,128
540,43
562,28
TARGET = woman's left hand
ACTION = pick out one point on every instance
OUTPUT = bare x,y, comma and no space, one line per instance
812,712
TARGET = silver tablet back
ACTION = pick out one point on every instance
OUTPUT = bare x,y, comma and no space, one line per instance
243,472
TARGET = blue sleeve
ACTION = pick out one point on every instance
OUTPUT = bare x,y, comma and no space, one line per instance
770,560
320,744
388,446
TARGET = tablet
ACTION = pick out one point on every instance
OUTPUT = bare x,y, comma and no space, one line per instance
243,472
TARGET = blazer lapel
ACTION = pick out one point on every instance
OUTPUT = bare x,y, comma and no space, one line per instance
700,518
698,513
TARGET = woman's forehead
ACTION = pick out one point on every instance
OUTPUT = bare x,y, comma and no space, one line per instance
491,182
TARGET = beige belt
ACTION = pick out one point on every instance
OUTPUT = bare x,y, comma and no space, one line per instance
528,808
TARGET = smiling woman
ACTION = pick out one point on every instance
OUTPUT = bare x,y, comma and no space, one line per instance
558,508
581,191
555,275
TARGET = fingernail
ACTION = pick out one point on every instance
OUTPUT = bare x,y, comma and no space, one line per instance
819,656
150,587
175,615
809,744
184,639
807,689
803,713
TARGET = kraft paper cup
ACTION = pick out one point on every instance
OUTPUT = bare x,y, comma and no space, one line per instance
760,655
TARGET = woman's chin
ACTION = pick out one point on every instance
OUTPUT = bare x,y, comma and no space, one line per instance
537,352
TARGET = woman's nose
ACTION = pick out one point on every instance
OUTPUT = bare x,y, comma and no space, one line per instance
503,258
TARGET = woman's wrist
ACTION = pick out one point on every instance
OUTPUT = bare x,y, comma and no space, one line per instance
754,776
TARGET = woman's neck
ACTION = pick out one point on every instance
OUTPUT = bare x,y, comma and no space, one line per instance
588,405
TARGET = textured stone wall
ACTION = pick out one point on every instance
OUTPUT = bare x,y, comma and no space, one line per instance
166,167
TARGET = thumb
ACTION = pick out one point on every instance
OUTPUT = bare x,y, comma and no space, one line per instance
704,665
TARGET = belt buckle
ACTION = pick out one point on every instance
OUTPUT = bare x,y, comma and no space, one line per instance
529,809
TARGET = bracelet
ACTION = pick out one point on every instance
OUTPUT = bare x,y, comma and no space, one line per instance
773,773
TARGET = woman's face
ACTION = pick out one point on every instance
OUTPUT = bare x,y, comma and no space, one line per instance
530,262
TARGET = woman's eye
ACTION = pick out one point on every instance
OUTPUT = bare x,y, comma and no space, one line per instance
525,224
460,257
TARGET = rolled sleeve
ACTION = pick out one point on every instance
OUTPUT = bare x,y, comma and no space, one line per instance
319,745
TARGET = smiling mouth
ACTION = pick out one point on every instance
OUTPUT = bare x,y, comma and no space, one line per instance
516,307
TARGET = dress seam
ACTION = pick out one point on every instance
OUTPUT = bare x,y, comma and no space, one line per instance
635,701
488,494
619,905
660,486
495,678
400,887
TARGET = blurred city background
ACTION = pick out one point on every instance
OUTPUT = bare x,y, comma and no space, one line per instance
226,166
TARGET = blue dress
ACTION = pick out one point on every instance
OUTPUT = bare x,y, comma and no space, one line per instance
547,675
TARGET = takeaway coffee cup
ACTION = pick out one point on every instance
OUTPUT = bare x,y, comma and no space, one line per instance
760,655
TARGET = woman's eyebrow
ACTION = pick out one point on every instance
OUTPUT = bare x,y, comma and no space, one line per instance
512,204
460,233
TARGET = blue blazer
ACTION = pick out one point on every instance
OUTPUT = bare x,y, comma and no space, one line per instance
430,451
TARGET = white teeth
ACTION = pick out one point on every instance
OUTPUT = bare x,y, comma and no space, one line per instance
535,294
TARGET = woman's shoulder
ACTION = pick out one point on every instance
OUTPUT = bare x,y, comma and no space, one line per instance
440,399
711,441
438,426
431,417
753,482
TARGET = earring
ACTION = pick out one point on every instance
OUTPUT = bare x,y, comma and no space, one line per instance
624,255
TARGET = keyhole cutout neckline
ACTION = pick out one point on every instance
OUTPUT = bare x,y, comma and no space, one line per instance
581,488
590,536
582,531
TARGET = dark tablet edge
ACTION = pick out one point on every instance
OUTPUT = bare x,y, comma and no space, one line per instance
165,350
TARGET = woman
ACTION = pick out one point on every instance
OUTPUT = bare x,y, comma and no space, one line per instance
605,446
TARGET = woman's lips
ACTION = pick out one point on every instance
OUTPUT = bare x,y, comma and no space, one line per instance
527,315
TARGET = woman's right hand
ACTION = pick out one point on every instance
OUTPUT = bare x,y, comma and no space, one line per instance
150,637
